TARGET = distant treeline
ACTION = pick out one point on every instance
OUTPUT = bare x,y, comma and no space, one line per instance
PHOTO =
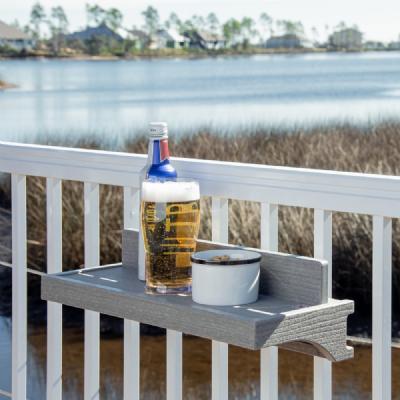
50,27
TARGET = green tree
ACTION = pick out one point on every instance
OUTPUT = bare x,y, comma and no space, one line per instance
38,16
232,31
341,25
315,34
187,26
291,27
198,22
151,19
60,19
113,18
213,23
266,23
94,14
58,26
174,22
248,30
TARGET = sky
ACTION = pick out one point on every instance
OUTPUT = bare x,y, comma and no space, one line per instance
379,20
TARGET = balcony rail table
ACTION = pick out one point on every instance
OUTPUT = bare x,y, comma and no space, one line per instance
324,191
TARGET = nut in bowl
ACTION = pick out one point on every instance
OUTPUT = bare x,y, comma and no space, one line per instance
225,277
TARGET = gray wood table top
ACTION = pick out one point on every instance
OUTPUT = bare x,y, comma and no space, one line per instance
286,320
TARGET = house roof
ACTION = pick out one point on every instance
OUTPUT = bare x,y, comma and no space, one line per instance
99,31
288,36
209,36
348,30
11,32
172,35
137,33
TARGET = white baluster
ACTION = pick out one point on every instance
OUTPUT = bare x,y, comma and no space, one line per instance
269,355
382,309
323,250
219,388
174,365
131,328
92,318
19,287
54,310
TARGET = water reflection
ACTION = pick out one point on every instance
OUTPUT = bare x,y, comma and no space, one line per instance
351,379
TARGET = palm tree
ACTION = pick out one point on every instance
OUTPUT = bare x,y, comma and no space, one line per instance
38,16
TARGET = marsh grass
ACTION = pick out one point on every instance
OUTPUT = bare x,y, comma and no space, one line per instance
370,149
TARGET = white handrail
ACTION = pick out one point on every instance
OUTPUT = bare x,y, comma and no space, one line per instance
324,191
300,187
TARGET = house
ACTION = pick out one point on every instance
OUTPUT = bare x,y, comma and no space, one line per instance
346,39
288,41
168,39
14,38
101,31
394,45
140,38
205,40
374,46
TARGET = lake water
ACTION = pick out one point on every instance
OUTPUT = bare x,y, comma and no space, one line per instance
117,98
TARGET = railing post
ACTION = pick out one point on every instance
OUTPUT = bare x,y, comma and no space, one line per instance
19,287
131,328
382,308
219,211
174,365
269,355
54,310
323,250
92,318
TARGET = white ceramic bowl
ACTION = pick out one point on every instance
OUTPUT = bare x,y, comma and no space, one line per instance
225,277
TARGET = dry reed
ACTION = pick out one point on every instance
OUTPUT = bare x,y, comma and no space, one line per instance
372,149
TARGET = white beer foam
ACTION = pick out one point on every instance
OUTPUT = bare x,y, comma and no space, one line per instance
170,191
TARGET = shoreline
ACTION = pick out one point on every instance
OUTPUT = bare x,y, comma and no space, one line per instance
6,85
177,54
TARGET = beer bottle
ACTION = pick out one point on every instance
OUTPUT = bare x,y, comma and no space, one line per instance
158,167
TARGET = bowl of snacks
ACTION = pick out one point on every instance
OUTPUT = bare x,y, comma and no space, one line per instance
225,277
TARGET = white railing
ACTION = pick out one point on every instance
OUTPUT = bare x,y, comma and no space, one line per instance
324,191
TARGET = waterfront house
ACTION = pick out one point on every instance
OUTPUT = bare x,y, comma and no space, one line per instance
170,39
394,45
102,31
288,41
372,45
205,40
140,38
346,39
12,37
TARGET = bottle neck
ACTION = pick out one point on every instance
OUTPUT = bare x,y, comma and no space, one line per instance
158,151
